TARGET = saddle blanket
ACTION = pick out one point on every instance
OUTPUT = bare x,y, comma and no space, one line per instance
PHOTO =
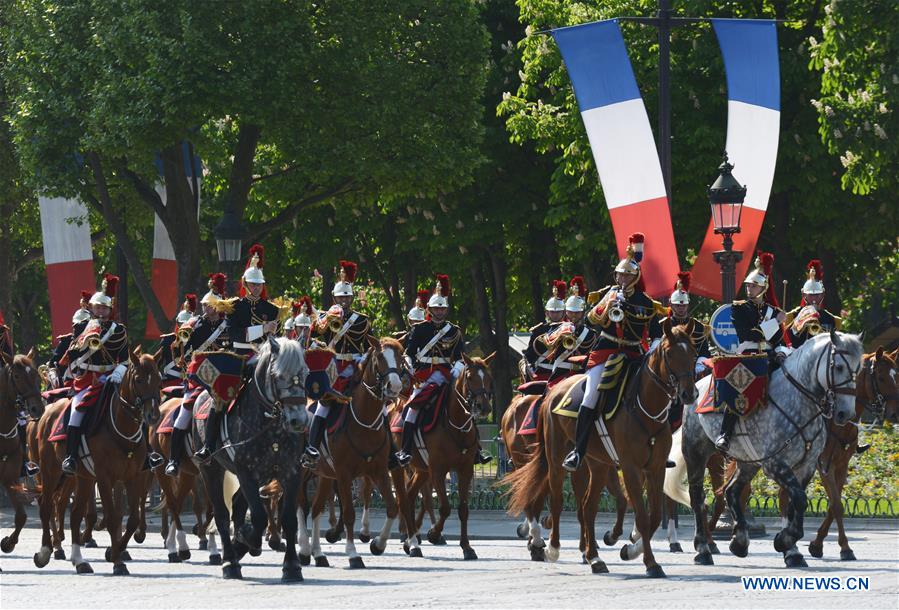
91,421
336,415
529,424
741,382
429,413
167,425
618,371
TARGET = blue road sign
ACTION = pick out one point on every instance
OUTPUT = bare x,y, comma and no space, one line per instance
724,334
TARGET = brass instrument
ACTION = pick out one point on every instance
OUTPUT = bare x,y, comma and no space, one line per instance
92,342
334,324
184,333
808,320
813,327
563,335
43,372
615,309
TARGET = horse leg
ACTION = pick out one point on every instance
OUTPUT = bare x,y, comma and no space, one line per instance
213,477
59,504
785,540
465,475
739,543
251,534
379,544
90,523
199,510
365,528
113,520
348,516
614,487
134,489
322,495
183,549
411,545
597,481
816,546
438,480
18,502
671,514
556,480
46,506
836,508
633,482
83,490
701,535
290,567
654,480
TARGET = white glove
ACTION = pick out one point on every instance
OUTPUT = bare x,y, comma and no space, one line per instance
781,352
117,374
654,344
457,368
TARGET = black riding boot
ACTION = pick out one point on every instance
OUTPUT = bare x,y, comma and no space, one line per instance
585,419
404,456
176,452
204,454
316,432
73,441
392,462
29,468
722,443
153,460
482,456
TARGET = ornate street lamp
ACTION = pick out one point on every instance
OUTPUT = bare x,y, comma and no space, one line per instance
726,197
229,236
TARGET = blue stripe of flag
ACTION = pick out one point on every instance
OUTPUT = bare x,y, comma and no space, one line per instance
598,64
749,48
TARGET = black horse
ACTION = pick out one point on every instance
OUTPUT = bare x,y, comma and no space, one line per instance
265,437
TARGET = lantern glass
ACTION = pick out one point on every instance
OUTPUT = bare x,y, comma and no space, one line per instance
726,216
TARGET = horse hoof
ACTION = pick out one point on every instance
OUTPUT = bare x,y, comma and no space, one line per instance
332,535
522,530
847,555
84,568
623,553
364,538
608,539
304,559
584,559
7,545
416,552
291,573
215,560
195,530
816,550
356,563
552,554
538,553
780,544
675,547
232,571
59,554
41,560
275,544
255,552
174,558
203,546
90,544
140,536
713,548
322,562
406,547
655,571
599,567
183,554
375,549
795,561
120,569
704,559
434,537
108,554
469,554
738,549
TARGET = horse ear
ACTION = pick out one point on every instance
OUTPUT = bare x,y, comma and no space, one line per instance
31,354
666,328
138,350
402,340
374,343
157,357
878,355
134,356
834,338
489,358
274,346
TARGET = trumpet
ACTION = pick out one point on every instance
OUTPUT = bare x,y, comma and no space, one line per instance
813,327
616,313
91,342
564,335
184,334
334,324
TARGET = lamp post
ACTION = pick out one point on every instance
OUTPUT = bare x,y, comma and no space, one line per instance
726,197
229,236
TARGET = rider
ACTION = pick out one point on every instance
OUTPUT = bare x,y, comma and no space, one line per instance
302,322
251,318
416,314
29,468
537,365
170,367
80,319
584,336
435,348
206,334
810,318
625,318
758,323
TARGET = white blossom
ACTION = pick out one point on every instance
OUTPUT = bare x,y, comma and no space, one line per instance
837,134
463,249
816,103
828,111
579,237
882,109
460,224
797,138
867,125
878,130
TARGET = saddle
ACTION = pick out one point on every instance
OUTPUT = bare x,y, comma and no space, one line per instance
533,388
529,424
336,415
173,391
167,425
617,384
434,400
57,393
92,417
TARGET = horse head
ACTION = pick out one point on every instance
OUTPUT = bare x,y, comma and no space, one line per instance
386,364
284,371
141,385
476,385
876,386
679,360
24,382
833,360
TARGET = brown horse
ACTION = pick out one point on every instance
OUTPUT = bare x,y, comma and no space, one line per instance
639,433
876,392
452,445
118,450
359,448
20,387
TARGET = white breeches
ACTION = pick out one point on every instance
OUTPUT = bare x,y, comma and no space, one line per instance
591,394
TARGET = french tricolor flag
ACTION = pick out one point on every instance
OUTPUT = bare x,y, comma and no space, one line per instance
622,143
68,257
750,52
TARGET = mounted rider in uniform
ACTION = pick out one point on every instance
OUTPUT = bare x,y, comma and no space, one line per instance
625,319
435,349
757,321
810,318
303,319
536,365
251,318
206,333
80,319
170,368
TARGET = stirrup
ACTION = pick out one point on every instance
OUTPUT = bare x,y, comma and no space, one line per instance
403,458
31,469
203,454
70,465
572,461
171,469
484,457
310,457
722,443
155,460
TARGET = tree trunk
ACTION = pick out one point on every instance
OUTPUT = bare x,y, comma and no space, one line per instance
327,285
410,285
502,368
833,299
535,282
181,220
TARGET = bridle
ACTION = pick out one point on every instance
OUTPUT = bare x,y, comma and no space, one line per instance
468,397
21,398
669,386
134,410
825,403
378,389
273,408
877,404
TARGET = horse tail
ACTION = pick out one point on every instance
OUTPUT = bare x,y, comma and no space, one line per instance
675,485
730,471
528,484
230,485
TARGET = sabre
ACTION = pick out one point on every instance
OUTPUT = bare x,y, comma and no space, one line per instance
784,299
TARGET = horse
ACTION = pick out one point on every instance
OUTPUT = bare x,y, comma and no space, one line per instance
452,445
265,437
815,383
117,451
876,392
360,448
638,434
19,389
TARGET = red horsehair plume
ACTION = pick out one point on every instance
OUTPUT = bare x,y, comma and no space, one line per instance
217,283
635,246
295,308
348,271
110,285
560,289
421,299
86,297
815,270
578,286
683,281
190,302
306,306
443,287
766,262
256,252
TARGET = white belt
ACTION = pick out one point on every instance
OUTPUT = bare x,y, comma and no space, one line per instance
240,345
98,368
346,357
761,346
606,335
434,360
564,365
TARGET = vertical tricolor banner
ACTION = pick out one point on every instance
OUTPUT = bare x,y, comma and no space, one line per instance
164,270
623,145
749,48
68,258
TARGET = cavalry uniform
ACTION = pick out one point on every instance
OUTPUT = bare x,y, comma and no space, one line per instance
80,319
98,355
538,366
625,320
199,334
810,318
247,315
758,329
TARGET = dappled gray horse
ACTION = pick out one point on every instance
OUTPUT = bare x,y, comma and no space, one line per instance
785,438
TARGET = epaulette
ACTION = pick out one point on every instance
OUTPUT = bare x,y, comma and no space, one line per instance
594,295
226,306
659,308
739,302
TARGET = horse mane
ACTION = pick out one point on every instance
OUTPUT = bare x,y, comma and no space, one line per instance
847,341
289,361
390,342
479,362
23,360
